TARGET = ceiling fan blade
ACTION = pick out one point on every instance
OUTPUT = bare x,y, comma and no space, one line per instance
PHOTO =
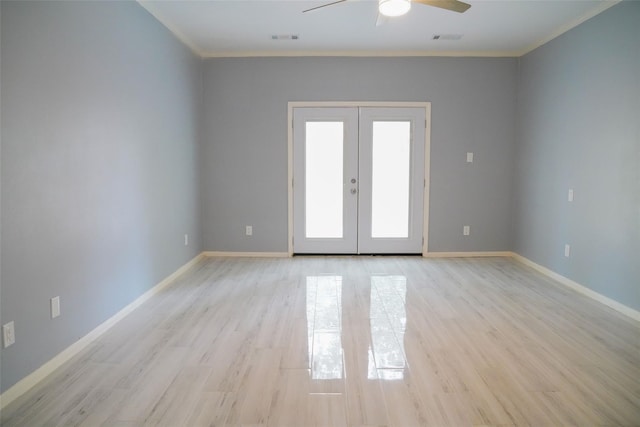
324,5
453,5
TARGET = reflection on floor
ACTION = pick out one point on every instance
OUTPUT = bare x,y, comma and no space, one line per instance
324,326
388,318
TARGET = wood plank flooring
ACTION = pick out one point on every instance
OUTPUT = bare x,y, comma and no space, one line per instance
352,341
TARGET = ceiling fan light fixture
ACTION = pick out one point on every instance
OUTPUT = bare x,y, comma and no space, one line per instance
394,7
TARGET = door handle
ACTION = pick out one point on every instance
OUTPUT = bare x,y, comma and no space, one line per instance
354,191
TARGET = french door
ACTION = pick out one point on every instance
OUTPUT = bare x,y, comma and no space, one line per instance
358,180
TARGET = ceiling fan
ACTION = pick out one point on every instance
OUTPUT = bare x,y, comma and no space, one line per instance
391,8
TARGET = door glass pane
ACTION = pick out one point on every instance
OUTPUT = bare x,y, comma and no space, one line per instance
390,179
324,178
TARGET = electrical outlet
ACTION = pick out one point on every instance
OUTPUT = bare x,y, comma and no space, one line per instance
8,334
55,307
466,230
469,157
567,250
186,240
248,230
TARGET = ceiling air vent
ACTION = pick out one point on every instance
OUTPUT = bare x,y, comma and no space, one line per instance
446,37
285,37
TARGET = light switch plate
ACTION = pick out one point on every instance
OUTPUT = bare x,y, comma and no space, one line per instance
55,307
8,334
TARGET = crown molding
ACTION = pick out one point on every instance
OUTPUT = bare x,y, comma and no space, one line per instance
148,6
362,54
569,26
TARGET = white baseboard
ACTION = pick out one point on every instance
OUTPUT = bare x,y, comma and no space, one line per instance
621,308
247,254
43,371
466,254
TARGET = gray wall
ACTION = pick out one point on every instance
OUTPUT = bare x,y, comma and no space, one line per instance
579,127
244,152
101,165
100,107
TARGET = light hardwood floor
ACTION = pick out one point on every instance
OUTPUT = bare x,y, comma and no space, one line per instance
352,341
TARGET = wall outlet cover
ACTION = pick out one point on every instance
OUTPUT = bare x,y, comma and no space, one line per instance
469,157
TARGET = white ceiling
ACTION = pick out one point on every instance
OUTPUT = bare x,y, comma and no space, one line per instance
214,28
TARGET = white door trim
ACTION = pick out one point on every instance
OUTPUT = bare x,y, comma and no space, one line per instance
427,154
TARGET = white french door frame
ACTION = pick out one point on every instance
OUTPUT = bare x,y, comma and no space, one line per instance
427,154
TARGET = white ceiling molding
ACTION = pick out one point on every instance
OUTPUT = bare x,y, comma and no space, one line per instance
599,9
176,32
365,53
